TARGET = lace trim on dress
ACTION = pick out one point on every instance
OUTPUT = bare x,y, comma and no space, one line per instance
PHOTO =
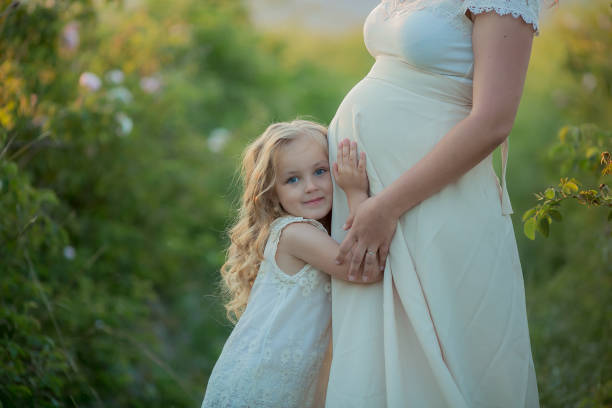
528,10
448,9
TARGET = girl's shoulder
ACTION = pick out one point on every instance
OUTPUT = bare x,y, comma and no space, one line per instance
277,226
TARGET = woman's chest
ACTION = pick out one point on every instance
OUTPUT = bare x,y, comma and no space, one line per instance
431,34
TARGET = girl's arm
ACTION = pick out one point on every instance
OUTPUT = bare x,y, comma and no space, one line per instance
311,245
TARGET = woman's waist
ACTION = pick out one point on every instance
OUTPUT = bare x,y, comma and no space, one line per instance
419,82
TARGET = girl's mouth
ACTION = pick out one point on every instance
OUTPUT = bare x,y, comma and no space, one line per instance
314,202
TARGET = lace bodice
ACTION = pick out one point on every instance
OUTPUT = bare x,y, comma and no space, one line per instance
436,35
528,10
273,356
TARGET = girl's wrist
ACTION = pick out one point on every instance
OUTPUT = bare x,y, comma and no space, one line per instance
354,198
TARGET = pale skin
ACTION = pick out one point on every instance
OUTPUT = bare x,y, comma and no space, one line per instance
302,243
502,47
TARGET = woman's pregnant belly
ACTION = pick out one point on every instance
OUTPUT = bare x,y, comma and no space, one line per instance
397,114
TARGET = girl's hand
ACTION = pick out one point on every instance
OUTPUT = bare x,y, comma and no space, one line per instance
350,170
373,227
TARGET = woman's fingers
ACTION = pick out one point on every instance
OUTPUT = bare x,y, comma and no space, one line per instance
383,251
345,247
370,267
355,271
349,223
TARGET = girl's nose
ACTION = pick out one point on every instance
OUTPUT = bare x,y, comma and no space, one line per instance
310,185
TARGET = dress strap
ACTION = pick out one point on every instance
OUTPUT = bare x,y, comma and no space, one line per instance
505,198
277,227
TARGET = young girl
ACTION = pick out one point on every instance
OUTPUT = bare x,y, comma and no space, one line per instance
278,267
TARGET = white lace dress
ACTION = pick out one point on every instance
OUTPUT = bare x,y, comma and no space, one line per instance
447,327
273,356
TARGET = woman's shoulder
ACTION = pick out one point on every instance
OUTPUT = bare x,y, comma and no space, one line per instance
528,10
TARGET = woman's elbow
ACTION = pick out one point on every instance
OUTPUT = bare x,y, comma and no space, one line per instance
495,126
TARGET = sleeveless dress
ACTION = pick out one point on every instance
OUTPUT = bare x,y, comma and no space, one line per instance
273,356
447,326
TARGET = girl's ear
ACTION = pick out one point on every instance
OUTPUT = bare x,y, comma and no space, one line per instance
276,205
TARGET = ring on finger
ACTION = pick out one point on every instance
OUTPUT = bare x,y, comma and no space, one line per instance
370,252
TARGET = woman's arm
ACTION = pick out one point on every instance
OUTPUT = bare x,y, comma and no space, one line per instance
502,46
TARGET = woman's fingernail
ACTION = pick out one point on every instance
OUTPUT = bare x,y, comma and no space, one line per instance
344,226
337,262
365,278
351,278
382,268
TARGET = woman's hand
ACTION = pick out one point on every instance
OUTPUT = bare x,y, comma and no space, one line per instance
372,229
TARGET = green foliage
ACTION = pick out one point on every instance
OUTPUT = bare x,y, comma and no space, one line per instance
578,150
584,31
119,134
568,278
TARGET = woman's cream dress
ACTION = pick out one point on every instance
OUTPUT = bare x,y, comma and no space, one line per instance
447,327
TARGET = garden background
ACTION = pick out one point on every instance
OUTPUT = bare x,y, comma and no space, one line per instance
121,126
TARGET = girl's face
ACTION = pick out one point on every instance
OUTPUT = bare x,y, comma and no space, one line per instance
303,181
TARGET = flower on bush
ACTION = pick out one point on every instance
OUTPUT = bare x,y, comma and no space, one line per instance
90,81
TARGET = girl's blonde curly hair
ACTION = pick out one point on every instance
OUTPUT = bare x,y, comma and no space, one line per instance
259,208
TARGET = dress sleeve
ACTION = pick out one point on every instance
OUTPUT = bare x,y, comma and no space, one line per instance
528,10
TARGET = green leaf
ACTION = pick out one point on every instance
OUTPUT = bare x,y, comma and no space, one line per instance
529,213
563,133
549,193
20,390
556,215
543,226
529,228
574,134
592,151
610,216
569,187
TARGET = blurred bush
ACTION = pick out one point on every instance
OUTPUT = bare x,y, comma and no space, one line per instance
569,275
120,126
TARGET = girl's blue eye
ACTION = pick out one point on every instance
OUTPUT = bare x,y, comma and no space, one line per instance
292,180
320,171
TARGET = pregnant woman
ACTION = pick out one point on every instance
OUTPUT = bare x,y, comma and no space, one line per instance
447,327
